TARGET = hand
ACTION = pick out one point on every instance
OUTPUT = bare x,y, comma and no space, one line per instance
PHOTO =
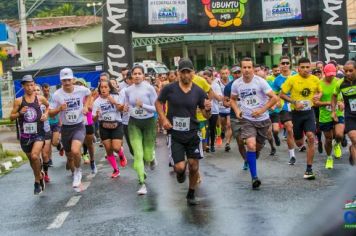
85,110
23,110
340,106
111,100
239,114
334,116
44,117
317,96
126,108
273,108
139,103
258,112
166,124
207,104
299,106
63,107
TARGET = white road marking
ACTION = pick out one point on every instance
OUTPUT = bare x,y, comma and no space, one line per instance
85,185
58,222
73,201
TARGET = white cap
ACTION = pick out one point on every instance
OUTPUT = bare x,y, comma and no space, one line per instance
66,73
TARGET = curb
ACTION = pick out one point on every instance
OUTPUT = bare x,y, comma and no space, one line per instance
9,165
5,166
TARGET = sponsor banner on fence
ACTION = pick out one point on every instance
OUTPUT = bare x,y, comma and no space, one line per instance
275,10
162,12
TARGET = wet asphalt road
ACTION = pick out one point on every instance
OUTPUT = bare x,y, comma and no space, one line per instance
285,204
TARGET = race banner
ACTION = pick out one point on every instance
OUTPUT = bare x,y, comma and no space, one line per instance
276,10
167,12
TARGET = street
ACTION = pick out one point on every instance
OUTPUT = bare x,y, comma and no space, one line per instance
228,204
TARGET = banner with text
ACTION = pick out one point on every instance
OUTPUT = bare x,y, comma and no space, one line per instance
167,12
275,10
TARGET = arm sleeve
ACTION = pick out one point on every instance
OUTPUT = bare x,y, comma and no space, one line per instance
234,90
153,96
163,95
276,86
337,87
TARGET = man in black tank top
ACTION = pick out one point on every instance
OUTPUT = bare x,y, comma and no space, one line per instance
28,112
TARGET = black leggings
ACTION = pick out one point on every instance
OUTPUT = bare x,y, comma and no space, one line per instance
212,129
126,134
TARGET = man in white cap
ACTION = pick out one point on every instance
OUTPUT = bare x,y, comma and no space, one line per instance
68,102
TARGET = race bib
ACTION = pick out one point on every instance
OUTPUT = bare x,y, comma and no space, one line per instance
352,104
306,105
252,101
137,112
328,108
30,128
109,116
72,116
181,123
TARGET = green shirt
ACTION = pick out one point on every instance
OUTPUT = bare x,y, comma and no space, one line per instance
325,111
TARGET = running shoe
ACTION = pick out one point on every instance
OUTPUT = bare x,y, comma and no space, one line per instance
212,149
153,164
77,178
47,179
38,189
245,166
303,149
320,147
329,163
42,181
309,175
344,142
50,163
337,150
94,170
192,201
181,177
227,147
123,161
273,152
219,141
256,183
86,158
142,190
115,174
292,161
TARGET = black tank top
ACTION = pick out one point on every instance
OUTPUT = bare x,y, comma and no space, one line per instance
30,122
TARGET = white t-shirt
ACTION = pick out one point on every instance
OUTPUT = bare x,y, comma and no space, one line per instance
125,115
74,113
252,96
107,110
222,108
215,103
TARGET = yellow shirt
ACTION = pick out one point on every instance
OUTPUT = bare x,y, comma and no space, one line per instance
302,89
204,85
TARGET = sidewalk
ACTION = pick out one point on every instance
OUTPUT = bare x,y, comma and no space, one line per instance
9,141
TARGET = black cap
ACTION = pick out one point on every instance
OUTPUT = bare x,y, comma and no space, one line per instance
27,78
185,64
316,70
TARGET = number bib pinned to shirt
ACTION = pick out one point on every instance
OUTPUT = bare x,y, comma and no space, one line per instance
352,104
306,105
252,101
72,116
109,117
328,108
30,128
181,123
138,112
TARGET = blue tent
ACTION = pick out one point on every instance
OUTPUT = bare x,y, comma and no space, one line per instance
46,70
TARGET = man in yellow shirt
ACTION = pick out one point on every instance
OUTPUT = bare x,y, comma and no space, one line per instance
304,90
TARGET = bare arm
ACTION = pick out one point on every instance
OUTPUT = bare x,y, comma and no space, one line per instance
234,107
15,113
162,117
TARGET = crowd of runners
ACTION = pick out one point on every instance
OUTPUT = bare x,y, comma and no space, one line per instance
199,111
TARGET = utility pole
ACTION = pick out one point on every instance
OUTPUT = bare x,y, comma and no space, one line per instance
23,34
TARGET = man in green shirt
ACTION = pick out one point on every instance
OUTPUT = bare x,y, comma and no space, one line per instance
330,128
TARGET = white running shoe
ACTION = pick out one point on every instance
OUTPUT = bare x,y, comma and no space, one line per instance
142,190
77,178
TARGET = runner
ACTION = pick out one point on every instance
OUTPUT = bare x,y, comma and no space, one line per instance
183,98
140,98
235,123
285,115
27,109
275,73
68,102
327,125
347,87
215,108
224,112
318,132
255,97
54,124
88,144
106,109
304,90
47,148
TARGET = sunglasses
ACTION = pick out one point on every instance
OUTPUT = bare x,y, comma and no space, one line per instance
285,63
237,72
